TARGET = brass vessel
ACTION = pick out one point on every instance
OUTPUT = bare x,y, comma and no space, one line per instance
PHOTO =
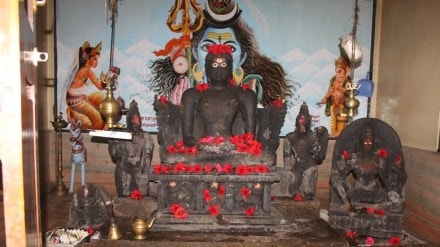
112,109
140,227
351,104
113,232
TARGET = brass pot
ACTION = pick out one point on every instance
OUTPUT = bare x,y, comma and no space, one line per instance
140,227
351,104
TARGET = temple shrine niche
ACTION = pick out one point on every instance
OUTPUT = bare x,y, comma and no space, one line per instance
367,180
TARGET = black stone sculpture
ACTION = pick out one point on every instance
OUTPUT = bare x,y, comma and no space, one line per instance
367,180
202,169
132,157
304,149
91,207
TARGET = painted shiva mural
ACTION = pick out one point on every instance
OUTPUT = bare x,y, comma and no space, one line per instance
278,58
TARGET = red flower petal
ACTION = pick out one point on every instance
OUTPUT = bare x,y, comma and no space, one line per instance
214,210
394,240
245,192
298,198
250,211
136,195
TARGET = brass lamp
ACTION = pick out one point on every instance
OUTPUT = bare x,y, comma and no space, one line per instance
60,188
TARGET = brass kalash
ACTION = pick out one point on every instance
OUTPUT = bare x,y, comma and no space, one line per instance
112,109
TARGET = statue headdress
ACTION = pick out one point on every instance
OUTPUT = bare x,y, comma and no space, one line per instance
221,13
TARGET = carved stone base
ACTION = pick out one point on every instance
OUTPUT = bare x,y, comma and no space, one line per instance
372,224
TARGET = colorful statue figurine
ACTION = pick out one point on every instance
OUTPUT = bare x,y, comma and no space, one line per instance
132,157
303,150
79,152
335,96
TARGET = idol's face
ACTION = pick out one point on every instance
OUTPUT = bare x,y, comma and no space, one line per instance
219,36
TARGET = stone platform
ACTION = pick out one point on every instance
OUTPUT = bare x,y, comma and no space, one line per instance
290,224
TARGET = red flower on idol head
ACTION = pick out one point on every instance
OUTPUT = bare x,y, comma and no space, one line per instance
261,168
219,48
227,168
380,212
370,210
346,155
157,168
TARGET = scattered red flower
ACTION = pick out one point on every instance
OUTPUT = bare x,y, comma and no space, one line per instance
178,211
278,103
261,168
157,168
346,155
218,167
250,211
382,152
246,144
351,234
370,210
212,140
208,168
207,196
241,170
214,210
179,167
219,48
197,168
163,99
394,240
202,87
245,192
136,195
298,198
90,230
369,241
250,169
227,168
221,191
380,212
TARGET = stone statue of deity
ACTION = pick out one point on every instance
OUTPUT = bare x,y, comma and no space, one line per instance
91,206
218,102
132,157
367,177
304,149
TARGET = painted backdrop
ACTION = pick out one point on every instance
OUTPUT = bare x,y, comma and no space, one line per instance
302,35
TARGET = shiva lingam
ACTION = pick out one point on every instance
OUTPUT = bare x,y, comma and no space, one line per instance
351,103
112,109
60,188
140,227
